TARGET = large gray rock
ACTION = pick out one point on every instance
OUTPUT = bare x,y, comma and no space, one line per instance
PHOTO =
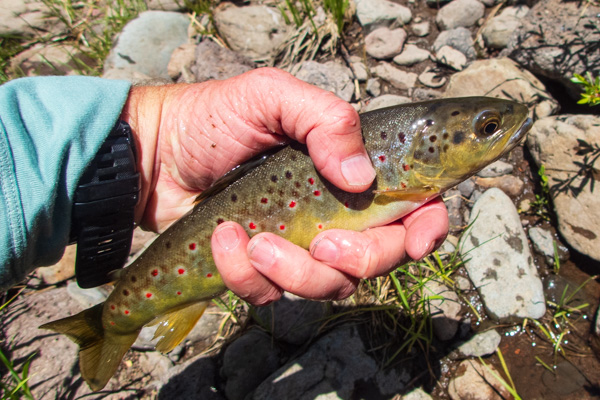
145,45
329,369
499,263
502,78
247,362
553,142
498,31
375,13
558,38
332,76
459,39
458,13
255,31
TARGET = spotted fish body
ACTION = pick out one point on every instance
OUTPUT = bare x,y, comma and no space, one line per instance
418,151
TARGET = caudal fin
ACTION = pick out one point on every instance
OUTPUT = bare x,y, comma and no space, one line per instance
100,352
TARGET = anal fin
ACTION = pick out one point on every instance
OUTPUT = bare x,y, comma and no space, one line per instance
175,325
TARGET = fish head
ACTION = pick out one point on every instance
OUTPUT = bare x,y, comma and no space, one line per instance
456,138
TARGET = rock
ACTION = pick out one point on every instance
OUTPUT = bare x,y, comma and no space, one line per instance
180,64
373,87
444,311
331,368
247,362
459,13
462,283
44,60
459,39
392,380
453,203
558,39
194,379
421,29
577,206
384,43
145,45
386,100
480,345
331,76
451,57
417,394
215,62
295,318
473,381
424,94
155,364
497,32
398,78
141,240
375,13
543,243
61,271
411,55
165,5
431,79
87,298
497,168
255,31
466,188
502,78
448,247
500,264
359,68
24,18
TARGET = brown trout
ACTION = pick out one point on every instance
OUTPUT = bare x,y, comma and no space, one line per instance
419,150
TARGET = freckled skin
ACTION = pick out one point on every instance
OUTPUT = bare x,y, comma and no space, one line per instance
287,196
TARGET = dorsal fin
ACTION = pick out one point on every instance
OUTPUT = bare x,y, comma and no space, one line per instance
234,174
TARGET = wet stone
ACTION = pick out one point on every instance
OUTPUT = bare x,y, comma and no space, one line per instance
473,381
481,344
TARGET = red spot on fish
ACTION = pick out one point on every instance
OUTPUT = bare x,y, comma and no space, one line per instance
264,200
192,247
346,205
220,221
320,226
178,293
406,167
403,185
112,322
112,307
382,158
402,137
209,275
154,272
181,271
126,312
148,295
317,192
252,225
281,227
311,181
292,204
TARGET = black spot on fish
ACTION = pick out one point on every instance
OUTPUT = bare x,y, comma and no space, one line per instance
294,157
432,138
446,136
280,203
167,245
270,190
431,150
220,221
125,292
455,113
429,122
297,184
383,135
458,137
402,137
288,174
445,148
133,278
234,197
281,193
273,178
418,155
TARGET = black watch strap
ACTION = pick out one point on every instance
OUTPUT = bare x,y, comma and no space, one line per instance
103,209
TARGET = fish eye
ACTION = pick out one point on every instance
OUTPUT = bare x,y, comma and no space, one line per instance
486,123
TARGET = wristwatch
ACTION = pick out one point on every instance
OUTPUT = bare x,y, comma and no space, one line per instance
102,221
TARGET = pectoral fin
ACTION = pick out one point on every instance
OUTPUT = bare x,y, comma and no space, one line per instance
175,326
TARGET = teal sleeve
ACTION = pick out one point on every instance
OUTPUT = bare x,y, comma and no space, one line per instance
50,129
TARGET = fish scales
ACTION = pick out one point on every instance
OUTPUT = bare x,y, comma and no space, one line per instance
418,151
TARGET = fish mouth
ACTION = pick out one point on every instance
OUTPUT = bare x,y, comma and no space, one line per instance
520,133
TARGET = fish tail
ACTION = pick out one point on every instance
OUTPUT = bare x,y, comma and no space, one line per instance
100,351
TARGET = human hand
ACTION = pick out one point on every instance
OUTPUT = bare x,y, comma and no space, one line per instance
190,135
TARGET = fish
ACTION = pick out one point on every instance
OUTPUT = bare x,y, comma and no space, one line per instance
419,150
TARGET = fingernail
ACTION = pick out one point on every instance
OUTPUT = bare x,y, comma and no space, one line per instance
428,247
227,237
262,254
358,170
325,250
